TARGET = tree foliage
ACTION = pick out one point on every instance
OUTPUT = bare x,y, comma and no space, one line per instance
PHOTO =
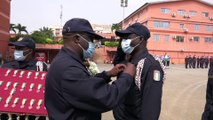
21,28
13,28
47,31
18,28
111,43
44,35
115,27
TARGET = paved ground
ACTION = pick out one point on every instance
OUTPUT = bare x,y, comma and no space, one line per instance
183,93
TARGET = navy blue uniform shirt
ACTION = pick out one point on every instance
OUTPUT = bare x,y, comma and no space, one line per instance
143,104
72,94
208,111
29,65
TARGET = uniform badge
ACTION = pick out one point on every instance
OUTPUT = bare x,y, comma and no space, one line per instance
156,75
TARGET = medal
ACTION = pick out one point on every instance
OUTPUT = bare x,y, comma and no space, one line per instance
31,86
21,73
8,101
23,102
15,72
39,104
15,102
8,72
43,75
28,74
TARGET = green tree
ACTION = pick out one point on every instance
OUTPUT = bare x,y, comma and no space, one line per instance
13,27
115,27
21,28
47,31
42,37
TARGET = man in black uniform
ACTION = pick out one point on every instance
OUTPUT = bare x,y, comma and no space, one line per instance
206,62
198,61
143,101
186,62
190,61
71,93
202,62
23,55
208,112
24,59
194,61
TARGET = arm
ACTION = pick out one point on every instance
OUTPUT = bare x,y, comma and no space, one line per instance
152,93
93,93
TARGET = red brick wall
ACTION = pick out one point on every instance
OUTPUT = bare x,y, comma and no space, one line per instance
4,26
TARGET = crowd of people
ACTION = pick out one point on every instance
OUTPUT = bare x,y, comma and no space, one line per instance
197,61
165,59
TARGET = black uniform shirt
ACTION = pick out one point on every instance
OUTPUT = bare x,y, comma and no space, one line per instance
208,111
72,94
30,65
143,104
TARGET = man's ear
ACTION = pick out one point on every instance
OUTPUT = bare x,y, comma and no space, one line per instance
76,38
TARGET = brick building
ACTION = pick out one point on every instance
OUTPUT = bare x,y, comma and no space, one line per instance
4,26
178,27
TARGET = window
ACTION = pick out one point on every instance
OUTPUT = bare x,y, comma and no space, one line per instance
208,39
192,13
181,12
208,28
166,38
205,14
179,39
160,24
196,39
181,25
165,10
156,37
197,27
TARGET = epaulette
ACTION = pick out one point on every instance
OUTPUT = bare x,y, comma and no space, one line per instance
139,70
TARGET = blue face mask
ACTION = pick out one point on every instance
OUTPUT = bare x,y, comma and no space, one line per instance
126,47
90,50
19,55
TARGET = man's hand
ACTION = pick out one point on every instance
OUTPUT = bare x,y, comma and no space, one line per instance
116,70
130,69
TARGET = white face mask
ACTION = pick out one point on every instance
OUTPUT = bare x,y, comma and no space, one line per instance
19,55
126,47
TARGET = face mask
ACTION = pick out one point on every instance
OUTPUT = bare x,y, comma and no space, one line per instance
19,55
126,47
90,50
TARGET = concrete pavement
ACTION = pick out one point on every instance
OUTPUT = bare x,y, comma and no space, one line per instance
183,93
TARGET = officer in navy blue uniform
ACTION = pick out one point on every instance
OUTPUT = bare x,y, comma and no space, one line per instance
23,59
23,55
144,97
208,111
71,93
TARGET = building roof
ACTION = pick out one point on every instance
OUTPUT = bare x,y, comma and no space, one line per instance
107,35
48,46
160,2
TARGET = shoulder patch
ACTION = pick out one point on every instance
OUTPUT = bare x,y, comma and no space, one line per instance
156,75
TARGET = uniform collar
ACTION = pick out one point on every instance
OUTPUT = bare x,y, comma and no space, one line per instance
141,56
72,54
23,64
